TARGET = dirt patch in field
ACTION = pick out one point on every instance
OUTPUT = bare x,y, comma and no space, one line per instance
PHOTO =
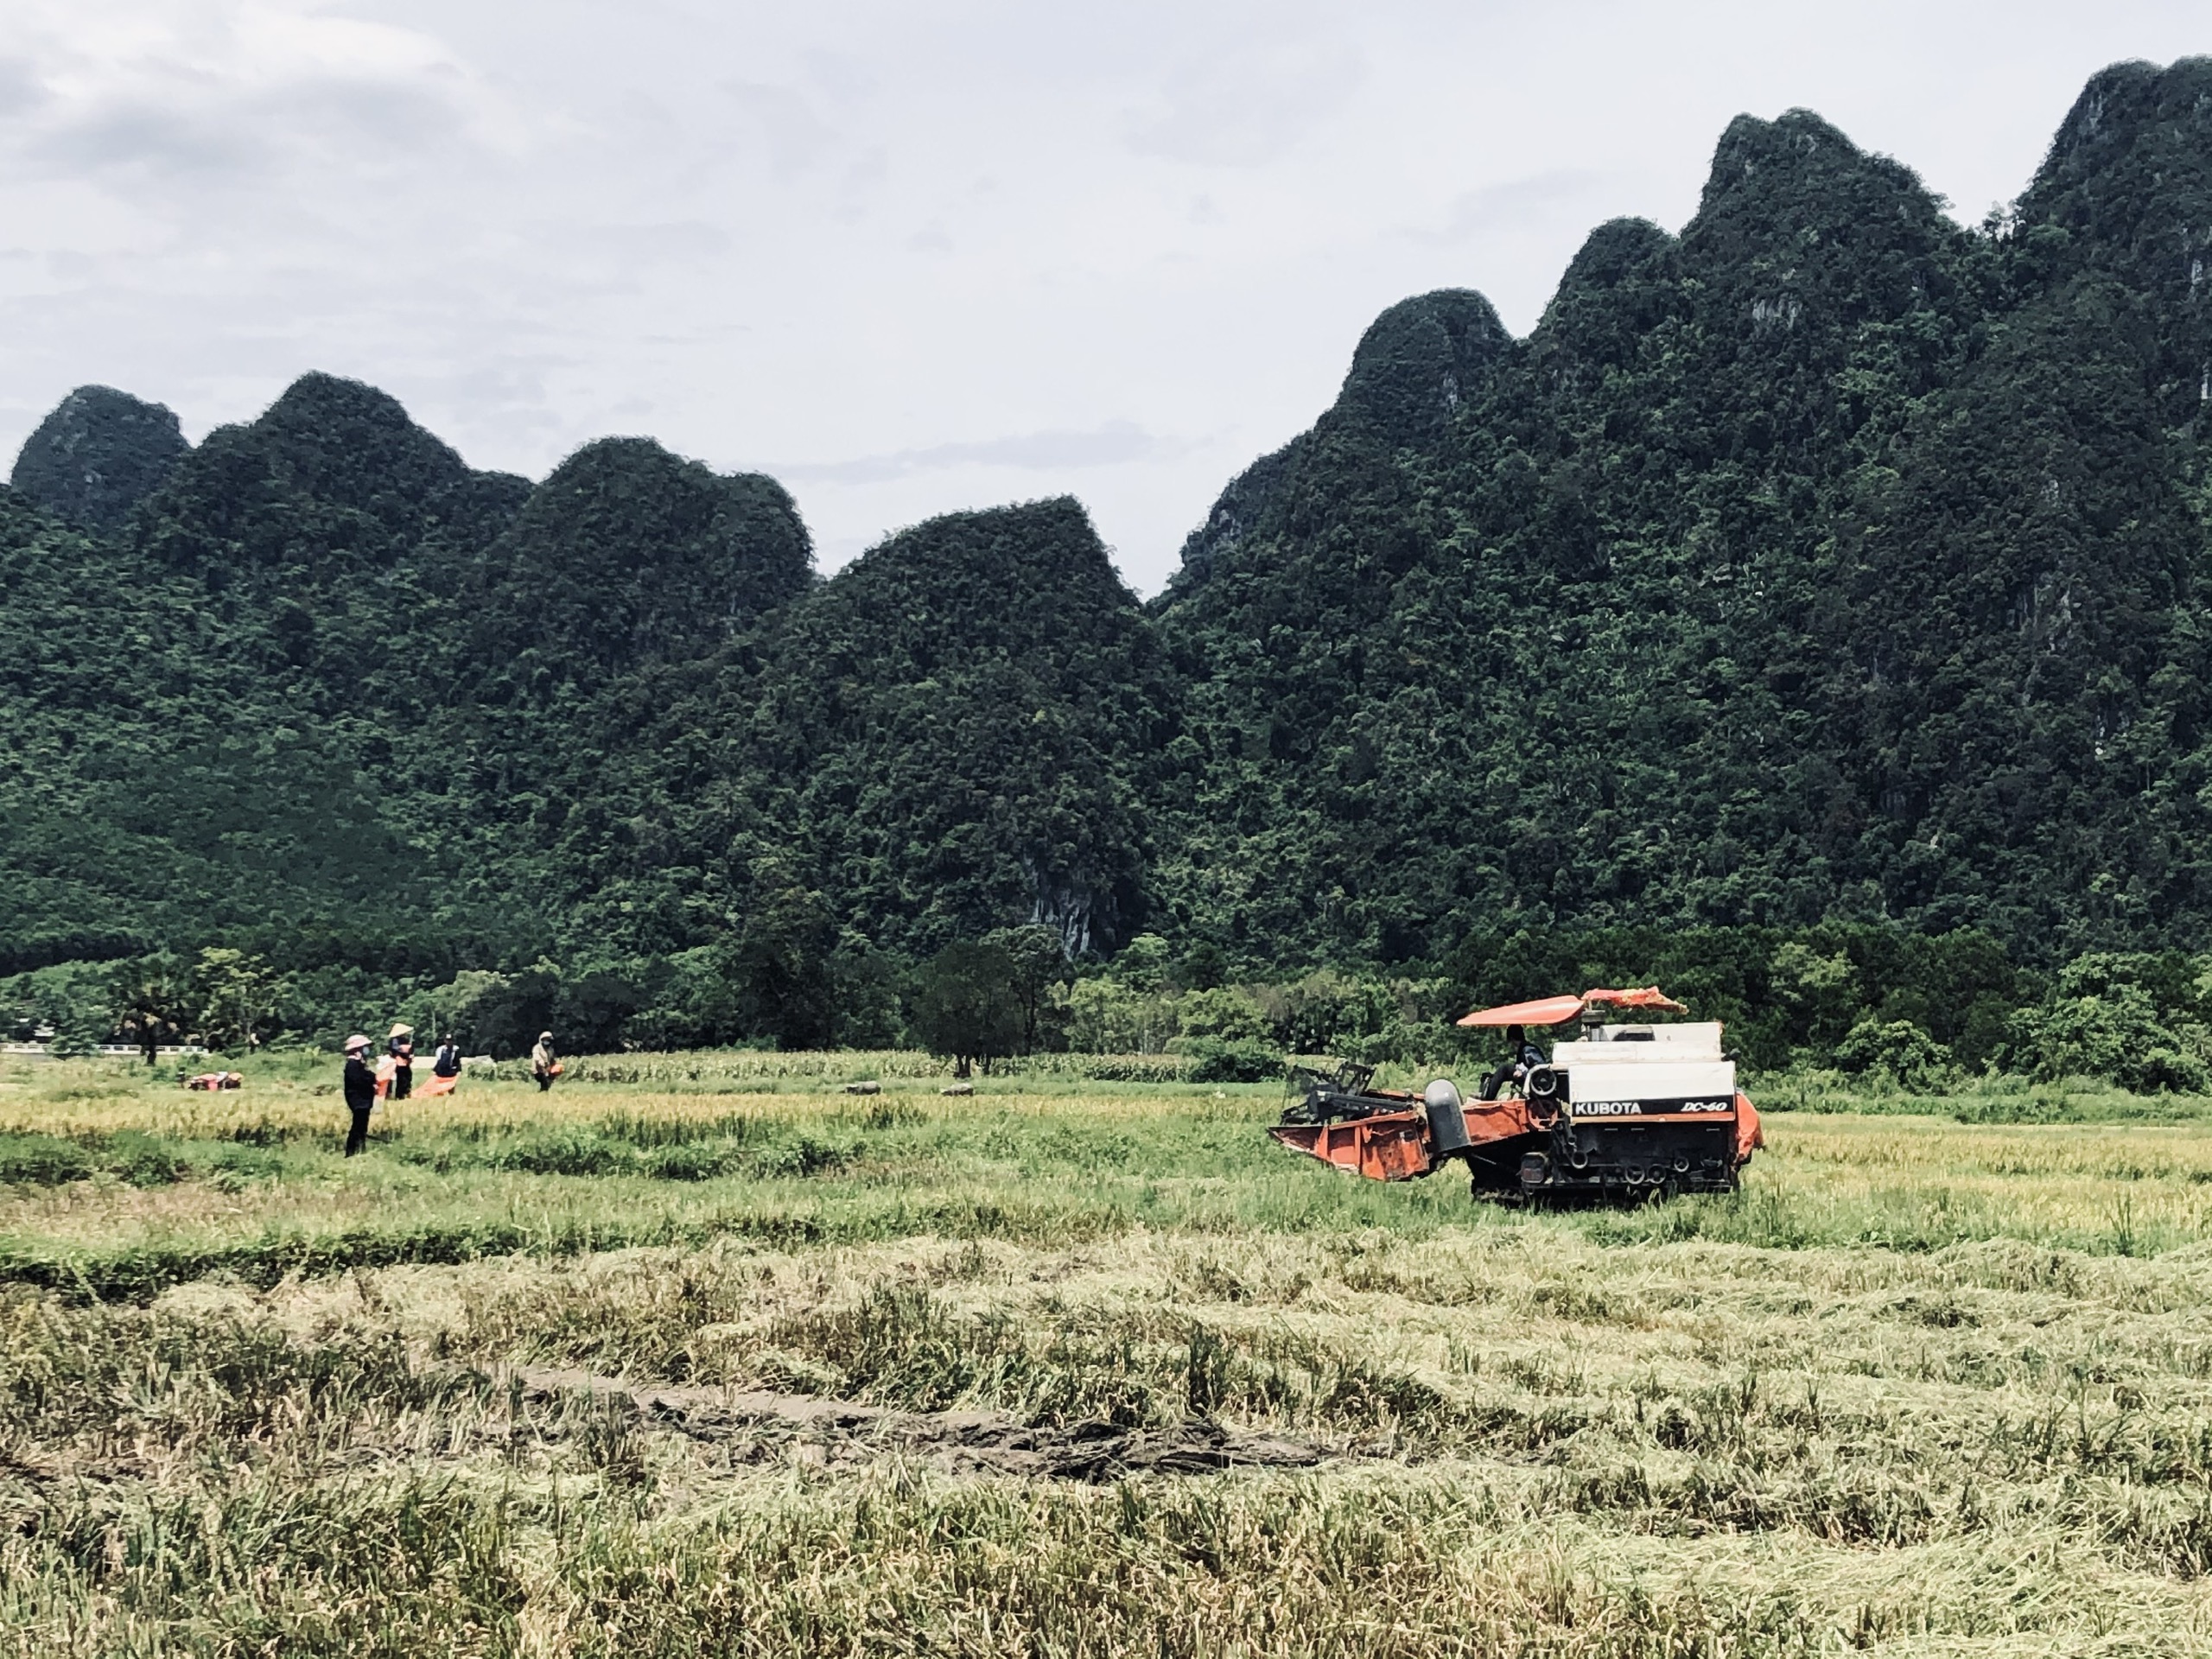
844,1431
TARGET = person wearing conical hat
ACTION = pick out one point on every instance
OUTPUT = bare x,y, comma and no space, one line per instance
361,1091
400,1050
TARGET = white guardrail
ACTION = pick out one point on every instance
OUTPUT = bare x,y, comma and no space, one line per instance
115,1051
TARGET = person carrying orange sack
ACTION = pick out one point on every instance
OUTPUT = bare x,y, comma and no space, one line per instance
445,1070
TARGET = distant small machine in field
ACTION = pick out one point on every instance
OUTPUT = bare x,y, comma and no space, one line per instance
1616,1112
216,1080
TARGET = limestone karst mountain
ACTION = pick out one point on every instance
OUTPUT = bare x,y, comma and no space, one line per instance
1827,559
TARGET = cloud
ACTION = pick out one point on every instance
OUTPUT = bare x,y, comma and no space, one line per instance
1117,443
251,138
127,135
656,242
518,216
21,90
795,136
222,91
1479,212
1244,107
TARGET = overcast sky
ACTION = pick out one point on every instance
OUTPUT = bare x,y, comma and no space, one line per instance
909,258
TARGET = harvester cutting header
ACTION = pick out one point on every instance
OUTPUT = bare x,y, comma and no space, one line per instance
1617,1110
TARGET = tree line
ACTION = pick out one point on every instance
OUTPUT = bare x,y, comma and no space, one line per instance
1908,1009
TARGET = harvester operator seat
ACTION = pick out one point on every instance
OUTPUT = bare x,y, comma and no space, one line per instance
1526,1058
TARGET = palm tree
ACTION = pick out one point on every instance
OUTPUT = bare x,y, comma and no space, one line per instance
153,1001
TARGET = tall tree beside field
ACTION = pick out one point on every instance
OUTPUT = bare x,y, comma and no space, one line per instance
237,994
157,1001
963,1005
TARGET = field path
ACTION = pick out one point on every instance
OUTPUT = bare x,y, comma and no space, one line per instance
848,1432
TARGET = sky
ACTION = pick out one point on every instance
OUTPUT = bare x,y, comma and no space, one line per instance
909,259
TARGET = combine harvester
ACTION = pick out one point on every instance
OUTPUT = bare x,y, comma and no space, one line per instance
1617,1112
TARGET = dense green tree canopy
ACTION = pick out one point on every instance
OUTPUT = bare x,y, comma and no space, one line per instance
955,733
1828,564
1827,560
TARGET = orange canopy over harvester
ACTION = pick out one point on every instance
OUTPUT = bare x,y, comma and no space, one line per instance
1558,1010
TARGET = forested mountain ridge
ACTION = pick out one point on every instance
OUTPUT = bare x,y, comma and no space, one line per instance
356,668
1828,561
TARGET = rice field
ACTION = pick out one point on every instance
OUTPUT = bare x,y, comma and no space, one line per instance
702,1355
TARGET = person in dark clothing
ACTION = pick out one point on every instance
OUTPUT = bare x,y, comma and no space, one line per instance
402,1048
544,1062
360,1092
447,1065
1527,1055
1526,1058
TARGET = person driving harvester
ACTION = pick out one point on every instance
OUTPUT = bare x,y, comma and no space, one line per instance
1526,1058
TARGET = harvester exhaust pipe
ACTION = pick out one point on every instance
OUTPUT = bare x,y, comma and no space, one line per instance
1447,1118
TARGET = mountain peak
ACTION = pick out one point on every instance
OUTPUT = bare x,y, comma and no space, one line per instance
98,454
1013,577
1748,144
2119,108
1798,174
340,438
1420,359
1801,238
333,480
316,397
1024,552
2127,192
982,683
628,552
1618,284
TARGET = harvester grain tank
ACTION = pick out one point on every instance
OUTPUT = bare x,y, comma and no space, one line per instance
1617,1110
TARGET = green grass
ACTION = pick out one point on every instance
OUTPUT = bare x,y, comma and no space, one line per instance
1927,1386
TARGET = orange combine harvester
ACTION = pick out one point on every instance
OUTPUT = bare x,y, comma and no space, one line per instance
1617,1111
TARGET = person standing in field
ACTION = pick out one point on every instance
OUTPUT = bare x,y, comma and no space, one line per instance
445,1070
402,1049
360,1092
544,1063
